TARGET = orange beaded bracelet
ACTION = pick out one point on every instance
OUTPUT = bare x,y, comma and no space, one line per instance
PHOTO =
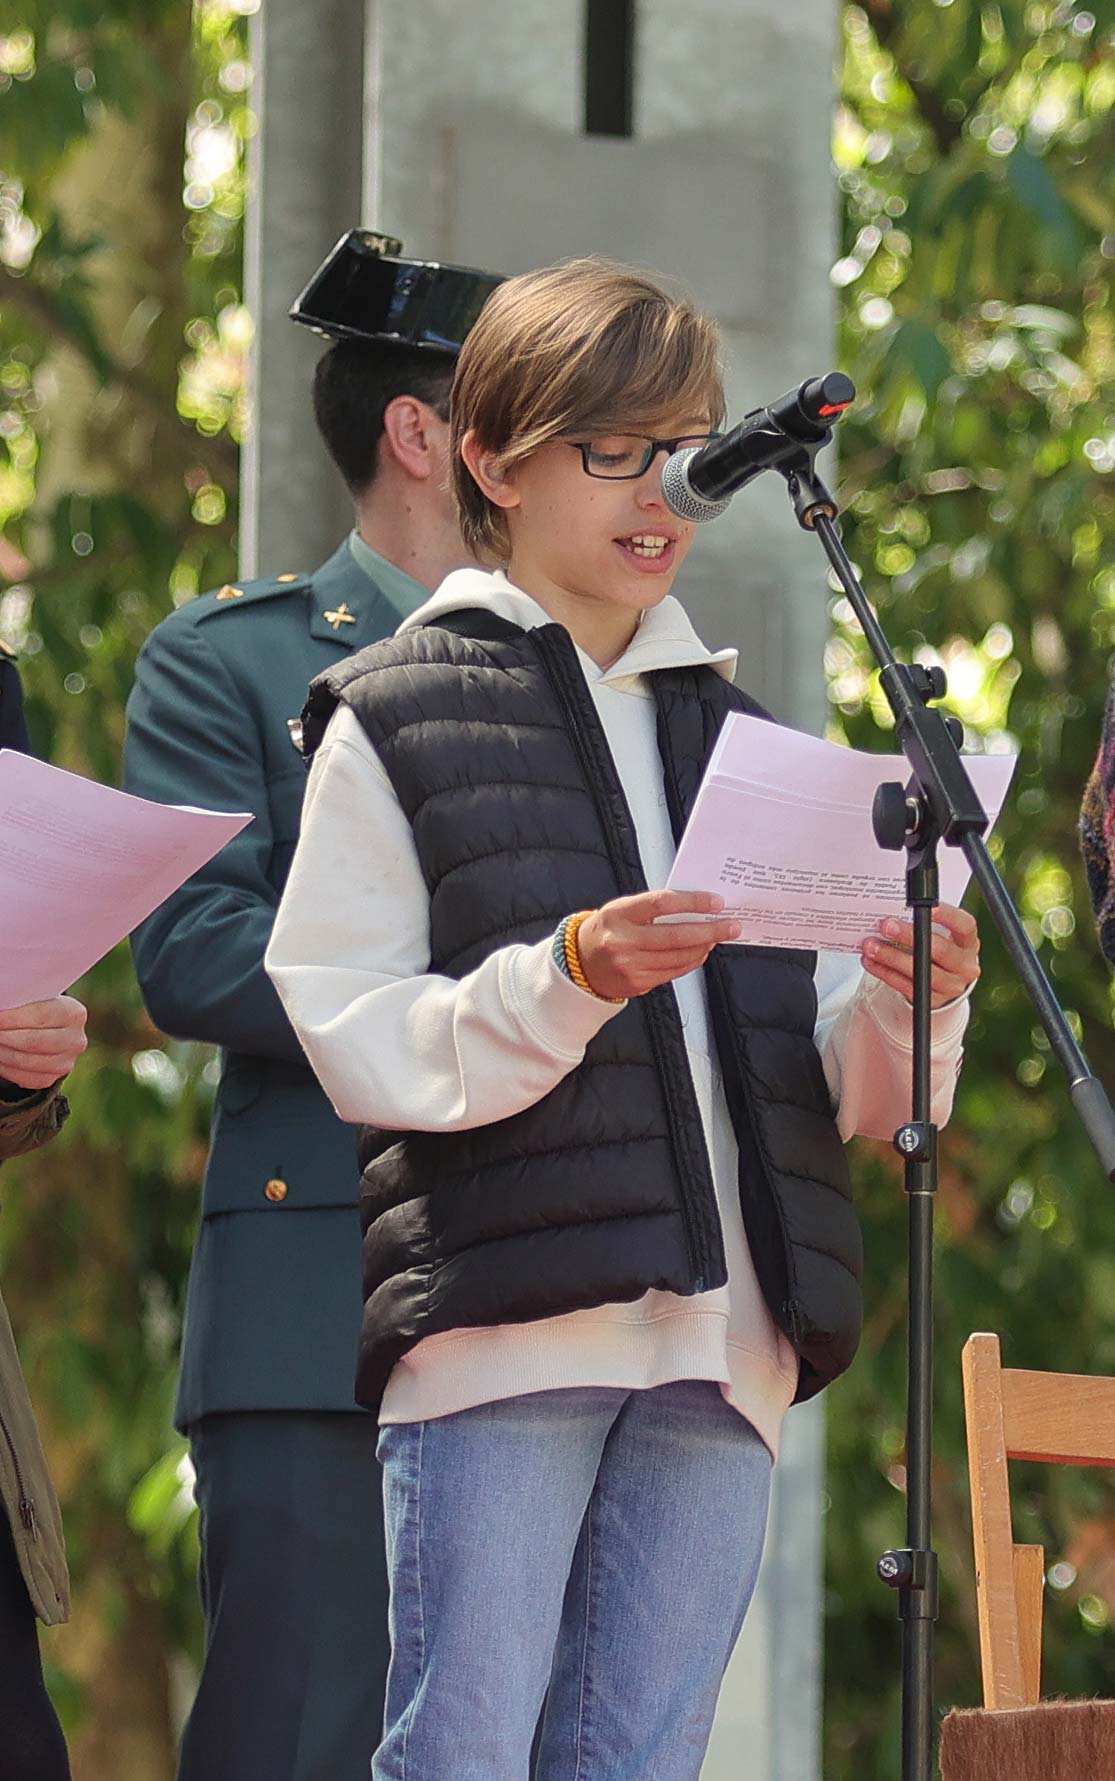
570,929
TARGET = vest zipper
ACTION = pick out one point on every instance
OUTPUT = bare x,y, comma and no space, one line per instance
731,1065
558,654
26,1504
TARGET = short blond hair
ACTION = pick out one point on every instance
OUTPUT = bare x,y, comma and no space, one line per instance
587,346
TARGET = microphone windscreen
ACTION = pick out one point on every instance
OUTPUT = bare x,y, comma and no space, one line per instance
679,497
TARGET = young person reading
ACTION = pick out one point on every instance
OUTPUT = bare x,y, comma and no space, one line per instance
609,1233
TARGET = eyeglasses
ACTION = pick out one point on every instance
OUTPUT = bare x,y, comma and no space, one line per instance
622,457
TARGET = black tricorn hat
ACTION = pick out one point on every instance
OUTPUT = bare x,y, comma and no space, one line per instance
363,290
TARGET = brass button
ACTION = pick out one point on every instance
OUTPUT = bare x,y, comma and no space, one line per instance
276,1190
230,593
287,578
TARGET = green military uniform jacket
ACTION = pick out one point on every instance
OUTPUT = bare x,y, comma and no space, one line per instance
273,1308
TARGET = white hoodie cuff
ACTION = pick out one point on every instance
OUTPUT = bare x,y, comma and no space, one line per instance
556,1013
894,1015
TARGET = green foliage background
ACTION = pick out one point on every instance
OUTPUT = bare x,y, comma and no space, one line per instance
975,148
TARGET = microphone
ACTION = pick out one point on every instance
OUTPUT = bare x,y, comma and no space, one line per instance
698,483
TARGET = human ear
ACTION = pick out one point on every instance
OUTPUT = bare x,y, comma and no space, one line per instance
486,471
409,435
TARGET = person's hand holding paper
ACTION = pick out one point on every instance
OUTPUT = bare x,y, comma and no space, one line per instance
40,1042
889,955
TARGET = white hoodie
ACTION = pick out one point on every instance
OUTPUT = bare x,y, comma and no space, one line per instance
397,1046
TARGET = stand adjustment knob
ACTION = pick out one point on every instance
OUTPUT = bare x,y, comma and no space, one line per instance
916,1142
914,1574
890,816
897,1569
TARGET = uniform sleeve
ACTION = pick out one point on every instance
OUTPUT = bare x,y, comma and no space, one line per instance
865,1035
199,957
394,1044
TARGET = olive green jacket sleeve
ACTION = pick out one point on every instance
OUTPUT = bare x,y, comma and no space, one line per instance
31,1121
26,1494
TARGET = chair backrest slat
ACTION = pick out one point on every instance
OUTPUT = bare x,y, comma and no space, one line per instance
1001,1654
1063,1418
1029,1585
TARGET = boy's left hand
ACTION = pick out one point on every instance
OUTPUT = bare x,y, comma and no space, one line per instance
889,955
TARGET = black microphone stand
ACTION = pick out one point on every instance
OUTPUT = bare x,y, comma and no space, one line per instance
939,804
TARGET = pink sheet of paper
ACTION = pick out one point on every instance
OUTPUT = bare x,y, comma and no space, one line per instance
781,829
81,865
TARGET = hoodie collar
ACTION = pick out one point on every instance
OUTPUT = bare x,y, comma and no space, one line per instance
665,637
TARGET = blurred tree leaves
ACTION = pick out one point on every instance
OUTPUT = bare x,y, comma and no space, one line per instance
974,150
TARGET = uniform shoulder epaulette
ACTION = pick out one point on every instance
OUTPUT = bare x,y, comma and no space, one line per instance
234,595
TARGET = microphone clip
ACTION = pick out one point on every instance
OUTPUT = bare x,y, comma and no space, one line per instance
810,498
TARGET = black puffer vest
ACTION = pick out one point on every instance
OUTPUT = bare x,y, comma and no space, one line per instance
603,1189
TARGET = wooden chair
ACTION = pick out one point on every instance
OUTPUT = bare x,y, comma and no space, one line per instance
1064,1418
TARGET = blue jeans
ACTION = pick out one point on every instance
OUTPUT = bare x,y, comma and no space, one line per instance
599,1544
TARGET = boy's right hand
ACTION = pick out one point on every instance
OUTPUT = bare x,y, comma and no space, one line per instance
623,952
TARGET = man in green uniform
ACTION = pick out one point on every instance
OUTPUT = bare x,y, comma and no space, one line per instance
292,1583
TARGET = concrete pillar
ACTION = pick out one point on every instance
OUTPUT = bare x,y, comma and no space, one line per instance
477,153
306,179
